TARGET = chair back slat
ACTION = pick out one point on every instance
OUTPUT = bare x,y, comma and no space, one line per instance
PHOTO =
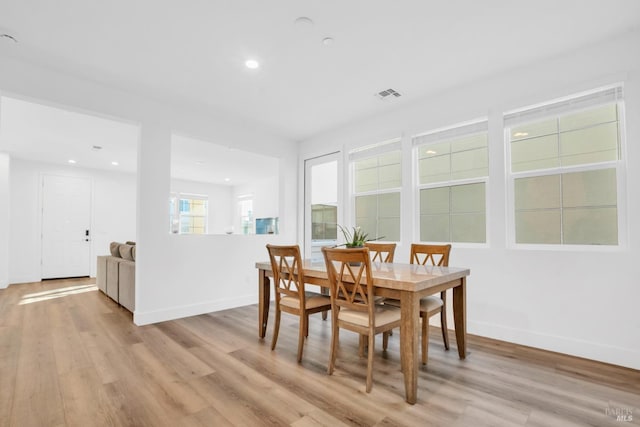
430,254
382,252
288,273
349,272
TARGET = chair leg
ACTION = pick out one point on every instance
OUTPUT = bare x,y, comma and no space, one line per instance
276,328
324,291
304,320
306,326
385,340
425,338
334,342
443,320
361,344
370,361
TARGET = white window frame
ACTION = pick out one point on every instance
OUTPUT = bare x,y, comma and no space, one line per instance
555,108
436,136
367,152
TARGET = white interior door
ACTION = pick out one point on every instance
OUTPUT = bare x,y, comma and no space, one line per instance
66,221
321,207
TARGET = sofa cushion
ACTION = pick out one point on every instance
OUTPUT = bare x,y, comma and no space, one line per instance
125,252
133,252
114,248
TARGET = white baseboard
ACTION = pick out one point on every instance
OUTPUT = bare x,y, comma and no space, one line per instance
3,284
145,318
616,355
23,279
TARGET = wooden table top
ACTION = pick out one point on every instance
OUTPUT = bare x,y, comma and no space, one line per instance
399,276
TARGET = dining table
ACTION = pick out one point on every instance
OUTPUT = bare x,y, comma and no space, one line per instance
405,282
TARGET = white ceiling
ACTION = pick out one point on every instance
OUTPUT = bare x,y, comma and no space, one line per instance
50,134
193,51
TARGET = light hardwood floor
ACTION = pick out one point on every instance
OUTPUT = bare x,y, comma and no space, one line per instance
70,356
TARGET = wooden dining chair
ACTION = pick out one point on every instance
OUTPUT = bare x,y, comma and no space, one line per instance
291,297
437,255
353,304
382,252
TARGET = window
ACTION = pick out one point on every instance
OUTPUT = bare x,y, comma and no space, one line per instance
377,180
452,168
245,206
565,158
188,214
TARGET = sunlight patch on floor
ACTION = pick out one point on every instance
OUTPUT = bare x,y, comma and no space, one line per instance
56,293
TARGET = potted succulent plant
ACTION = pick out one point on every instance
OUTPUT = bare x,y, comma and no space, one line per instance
355,238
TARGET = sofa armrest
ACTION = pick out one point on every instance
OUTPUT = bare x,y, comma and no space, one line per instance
127,284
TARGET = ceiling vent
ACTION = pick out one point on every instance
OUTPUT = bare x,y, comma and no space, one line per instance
385,94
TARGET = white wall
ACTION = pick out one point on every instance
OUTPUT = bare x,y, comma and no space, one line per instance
583,303
5,163
113,213
220,202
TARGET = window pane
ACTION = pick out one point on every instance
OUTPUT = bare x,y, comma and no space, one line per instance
586,137
592,145
434,169
324,222
434,228
453,214
388,229
468,198
366,180
540,192
379,215
470,142
583,119
535,153
390,176
533,130
541,226
468,228
469,164
590,226
389,205
459,158
377,173
434,201
591,188
588,212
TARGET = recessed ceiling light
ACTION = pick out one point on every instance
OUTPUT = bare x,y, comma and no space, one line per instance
303,21
431,152
252,64
327,41
115,163
73,162
200,162
517,134
227,179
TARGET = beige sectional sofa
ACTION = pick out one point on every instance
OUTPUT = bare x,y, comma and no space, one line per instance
116,274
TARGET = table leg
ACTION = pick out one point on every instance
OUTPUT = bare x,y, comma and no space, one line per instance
409,338
264,289
460,316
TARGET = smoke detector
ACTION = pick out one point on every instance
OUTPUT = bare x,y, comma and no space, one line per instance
384,94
